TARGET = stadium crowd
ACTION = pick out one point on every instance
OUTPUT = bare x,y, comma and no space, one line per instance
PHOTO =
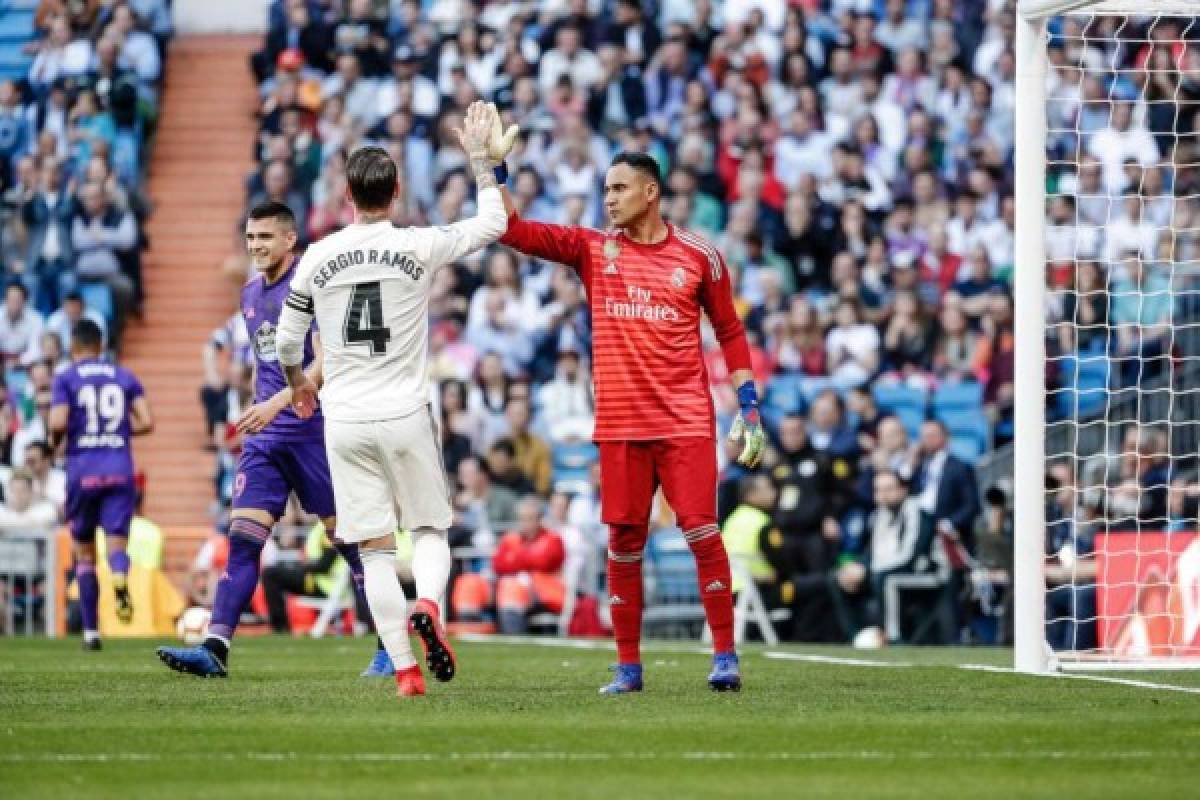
851,159
73,137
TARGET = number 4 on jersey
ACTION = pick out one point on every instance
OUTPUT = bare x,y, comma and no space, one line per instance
364,319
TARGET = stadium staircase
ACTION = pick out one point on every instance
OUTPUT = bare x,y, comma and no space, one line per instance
201,155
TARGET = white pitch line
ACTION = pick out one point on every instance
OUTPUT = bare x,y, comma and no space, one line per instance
593,644
818,659
574,644
1167,687
548,756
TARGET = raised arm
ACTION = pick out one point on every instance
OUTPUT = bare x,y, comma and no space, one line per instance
444,244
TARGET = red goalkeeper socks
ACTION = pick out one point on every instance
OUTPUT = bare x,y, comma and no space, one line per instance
716,593
625,605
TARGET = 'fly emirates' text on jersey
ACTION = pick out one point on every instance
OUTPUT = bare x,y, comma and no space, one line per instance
646,302
368,287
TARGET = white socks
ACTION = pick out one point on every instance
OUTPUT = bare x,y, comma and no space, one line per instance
431,563
389,608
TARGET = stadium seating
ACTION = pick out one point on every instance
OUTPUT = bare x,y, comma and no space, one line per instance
909,404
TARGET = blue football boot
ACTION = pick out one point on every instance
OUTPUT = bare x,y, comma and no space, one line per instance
726,676
627,678
380,666
199,661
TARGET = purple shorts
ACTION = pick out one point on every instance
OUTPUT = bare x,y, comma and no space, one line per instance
109,503
269,470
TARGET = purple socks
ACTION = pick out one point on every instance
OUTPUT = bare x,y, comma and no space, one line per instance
237,582
89,594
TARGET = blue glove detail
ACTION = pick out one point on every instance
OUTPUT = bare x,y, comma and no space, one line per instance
501,173
748,398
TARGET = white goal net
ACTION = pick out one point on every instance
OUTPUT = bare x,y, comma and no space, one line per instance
1119,560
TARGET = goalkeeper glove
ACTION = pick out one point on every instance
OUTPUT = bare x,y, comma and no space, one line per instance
501,141
747,427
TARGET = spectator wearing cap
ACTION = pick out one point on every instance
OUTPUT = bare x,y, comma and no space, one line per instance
20,325
407,78
105,242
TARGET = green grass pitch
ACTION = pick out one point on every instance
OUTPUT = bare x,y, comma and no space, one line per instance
523,721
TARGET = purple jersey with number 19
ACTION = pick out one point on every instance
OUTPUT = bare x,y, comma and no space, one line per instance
100,397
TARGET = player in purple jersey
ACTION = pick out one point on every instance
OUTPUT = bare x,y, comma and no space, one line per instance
98,407
282,453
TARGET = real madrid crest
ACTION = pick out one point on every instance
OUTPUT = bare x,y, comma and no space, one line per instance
611,250
678,277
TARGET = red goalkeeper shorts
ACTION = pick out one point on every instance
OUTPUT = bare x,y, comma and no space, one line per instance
630,473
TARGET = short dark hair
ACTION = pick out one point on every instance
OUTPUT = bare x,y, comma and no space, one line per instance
270,209
87,334
643,163
42,447
371,174
504,445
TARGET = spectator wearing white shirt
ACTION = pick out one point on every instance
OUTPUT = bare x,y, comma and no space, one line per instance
425,96
59,57
852,347
802,150
20,325
569,57
566,403
22,514
49,482
1119,142
139,50
1130,231
840,91
63,319
358,93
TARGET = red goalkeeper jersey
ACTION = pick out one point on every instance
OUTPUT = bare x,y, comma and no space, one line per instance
646,301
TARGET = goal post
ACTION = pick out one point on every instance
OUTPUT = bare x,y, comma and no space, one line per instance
1125,387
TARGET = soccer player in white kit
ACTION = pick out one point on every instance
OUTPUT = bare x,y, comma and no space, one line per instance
368,286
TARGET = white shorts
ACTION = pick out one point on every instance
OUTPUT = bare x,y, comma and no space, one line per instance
387,475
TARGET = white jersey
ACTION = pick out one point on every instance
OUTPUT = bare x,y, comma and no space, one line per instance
368,287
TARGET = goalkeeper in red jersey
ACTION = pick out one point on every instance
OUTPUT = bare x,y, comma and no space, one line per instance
647,284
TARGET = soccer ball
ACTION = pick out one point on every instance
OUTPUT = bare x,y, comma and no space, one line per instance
192,626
